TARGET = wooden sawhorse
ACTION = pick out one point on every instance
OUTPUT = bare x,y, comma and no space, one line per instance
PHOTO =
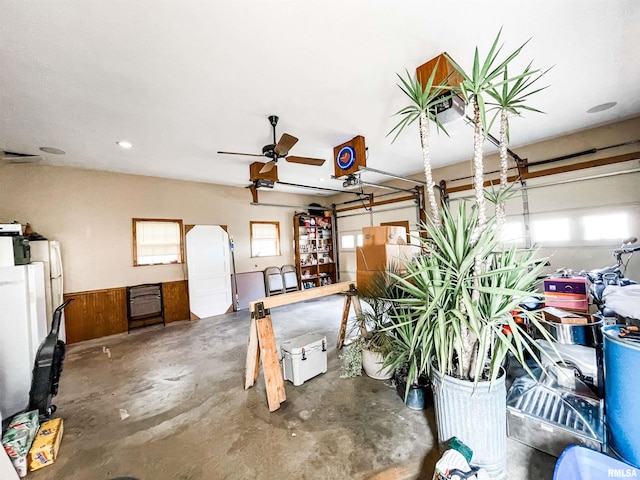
262,341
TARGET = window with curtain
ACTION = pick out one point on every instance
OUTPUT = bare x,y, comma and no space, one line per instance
265,239
157,242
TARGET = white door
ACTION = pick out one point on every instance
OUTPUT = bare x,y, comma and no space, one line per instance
209,271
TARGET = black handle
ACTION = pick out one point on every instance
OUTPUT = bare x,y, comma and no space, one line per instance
57,315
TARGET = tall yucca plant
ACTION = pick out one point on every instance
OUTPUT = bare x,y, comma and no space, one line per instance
485,75
508,100
437,316
421,108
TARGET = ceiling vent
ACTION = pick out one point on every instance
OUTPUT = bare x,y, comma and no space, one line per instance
13,158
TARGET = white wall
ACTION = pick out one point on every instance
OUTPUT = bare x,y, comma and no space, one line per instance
91,213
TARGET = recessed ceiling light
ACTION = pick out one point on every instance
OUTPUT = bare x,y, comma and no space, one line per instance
321,179
602,107
124,144
55,151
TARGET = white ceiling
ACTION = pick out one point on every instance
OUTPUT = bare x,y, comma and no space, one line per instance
184,79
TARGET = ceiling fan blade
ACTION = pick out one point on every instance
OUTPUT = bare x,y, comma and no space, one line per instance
268,166
245,154
305,160
284,144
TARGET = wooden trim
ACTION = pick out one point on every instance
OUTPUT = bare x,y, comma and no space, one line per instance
257,222
377,203
555,170
582,165
423,210
254,193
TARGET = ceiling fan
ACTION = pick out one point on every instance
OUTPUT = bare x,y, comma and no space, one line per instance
278,150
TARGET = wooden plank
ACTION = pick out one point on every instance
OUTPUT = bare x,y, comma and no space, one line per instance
555,170
252,364
270,363
343,324
582,165
377,203
301,295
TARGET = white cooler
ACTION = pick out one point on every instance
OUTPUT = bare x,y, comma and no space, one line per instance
304,357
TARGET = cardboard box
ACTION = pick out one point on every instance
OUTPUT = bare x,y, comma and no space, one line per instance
365,278
384,235
554,314
384,257
588,314
44,449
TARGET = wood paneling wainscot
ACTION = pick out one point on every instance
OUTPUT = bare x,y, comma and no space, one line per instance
99,313
176,301
95,314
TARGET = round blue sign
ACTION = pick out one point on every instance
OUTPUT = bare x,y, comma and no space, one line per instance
346,157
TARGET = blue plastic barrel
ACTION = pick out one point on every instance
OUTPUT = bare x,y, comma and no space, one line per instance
622,391
582,463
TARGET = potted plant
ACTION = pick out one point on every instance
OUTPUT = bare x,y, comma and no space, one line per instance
449,313
455,314
372,340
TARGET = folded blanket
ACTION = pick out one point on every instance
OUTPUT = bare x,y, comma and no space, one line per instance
625,301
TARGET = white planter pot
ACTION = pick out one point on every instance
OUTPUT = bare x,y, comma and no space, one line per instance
372,365
476,415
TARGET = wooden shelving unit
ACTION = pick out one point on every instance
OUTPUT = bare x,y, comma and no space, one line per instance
314,250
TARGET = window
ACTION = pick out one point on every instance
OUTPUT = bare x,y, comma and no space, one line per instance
606,227
512,232
265,239
347,242
350,241
157,242
556,230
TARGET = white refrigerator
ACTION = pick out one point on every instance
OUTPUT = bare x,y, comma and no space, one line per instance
48,252
23,327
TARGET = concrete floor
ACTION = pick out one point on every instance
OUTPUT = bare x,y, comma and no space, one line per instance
169,403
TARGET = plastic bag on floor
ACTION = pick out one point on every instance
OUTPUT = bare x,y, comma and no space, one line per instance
18,438
454,464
